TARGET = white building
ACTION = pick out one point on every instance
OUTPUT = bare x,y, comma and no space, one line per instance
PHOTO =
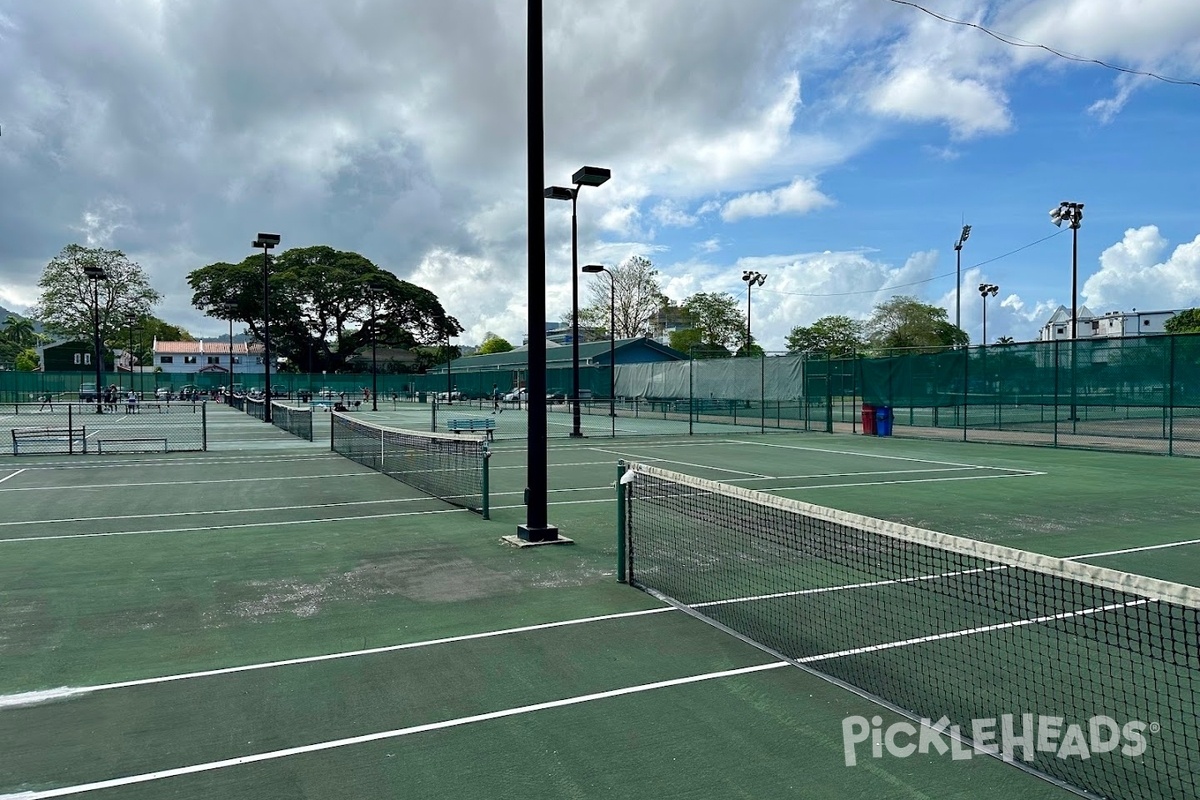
1110,325
202,356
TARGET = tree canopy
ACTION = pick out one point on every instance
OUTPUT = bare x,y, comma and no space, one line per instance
719,321
325,304
635,294
494,344
836,336
907,323
1184,322
65,304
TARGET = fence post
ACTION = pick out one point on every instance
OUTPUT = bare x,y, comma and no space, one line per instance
1056,392
204,427
1171,398
762,393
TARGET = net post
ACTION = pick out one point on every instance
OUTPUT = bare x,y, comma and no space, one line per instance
70,436
487,456
621,578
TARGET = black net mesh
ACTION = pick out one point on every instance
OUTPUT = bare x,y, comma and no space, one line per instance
451,468
296,421
937,625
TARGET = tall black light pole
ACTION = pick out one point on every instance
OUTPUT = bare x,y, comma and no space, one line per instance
96,273
612,335
449,378
229,398
584,176
984,290
962,237
1072,214
752,279
266,241
371,293
130,319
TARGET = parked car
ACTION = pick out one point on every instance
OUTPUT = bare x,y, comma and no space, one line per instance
454,395
163,393
87,392
516,396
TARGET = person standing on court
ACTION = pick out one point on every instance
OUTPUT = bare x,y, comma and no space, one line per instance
496,399
131,406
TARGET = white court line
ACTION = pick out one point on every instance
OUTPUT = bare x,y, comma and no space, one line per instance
682,463
854,474
195,483
392,734
1135,549
206,512
34,698
13,475
876,455
184,462
198,529
892,483
1000,626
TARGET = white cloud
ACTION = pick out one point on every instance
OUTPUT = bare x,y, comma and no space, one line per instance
798,197
1134,274
967,105
709,245
668,212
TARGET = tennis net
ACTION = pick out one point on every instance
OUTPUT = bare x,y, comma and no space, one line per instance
452,468
933,626
296,421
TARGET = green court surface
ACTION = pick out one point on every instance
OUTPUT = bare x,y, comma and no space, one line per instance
268,619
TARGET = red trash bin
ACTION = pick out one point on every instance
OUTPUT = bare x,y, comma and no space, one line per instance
868,419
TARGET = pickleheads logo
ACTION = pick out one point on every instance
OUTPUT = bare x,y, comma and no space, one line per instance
1027,734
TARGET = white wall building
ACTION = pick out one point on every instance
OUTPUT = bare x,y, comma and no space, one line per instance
1111,324
202,356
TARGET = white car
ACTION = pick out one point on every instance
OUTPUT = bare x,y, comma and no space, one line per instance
516,396
456,395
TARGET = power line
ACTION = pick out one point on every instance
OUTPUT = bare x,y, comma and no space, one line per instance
1015,42
918,283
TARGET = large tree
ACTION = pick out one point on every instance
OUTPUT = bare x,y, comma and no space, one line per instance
65,305
718,319
907,323
1184,322
494,344
836,336
635,294
324,303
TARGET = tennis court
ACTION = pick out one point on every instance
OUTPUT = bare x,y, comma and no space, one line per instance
271,619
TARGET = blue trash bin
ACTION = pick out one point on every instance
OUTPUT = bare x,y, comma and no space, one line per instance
883,421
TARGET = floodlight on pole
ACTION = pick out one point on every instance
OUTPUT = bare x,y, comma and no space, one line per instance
1072,214
984,290
96,273
373,295
130,319
592,269
958,246
752,279
584,176
266,241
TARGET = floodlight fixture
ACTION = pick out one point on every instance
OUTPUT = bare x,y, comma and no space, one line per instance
558,193
266,240
752,279
591,176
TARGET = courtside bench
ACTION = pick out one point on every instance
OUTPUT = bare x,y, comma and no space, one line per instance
487,425
49,440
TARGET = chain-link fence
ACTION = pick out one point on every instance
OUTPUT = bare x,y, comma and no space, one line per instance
125,426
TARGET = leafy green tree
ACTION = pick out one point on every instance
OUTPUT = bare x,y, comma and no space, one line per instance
836,336
717,316
685,340
324,301
65,304
26,361
494,344
1184,322
1004,340
19,331
907,323
635,293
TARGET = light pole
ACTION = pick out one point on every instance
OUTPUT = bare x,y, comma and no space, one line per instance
266,241
229,398
372,291
449,378
962,237
984,290
584,176
130,319
1072,214
96,273
752,279
612,335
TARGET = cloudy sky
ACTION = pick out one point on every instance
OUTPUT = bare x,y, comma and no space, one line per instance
836,145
